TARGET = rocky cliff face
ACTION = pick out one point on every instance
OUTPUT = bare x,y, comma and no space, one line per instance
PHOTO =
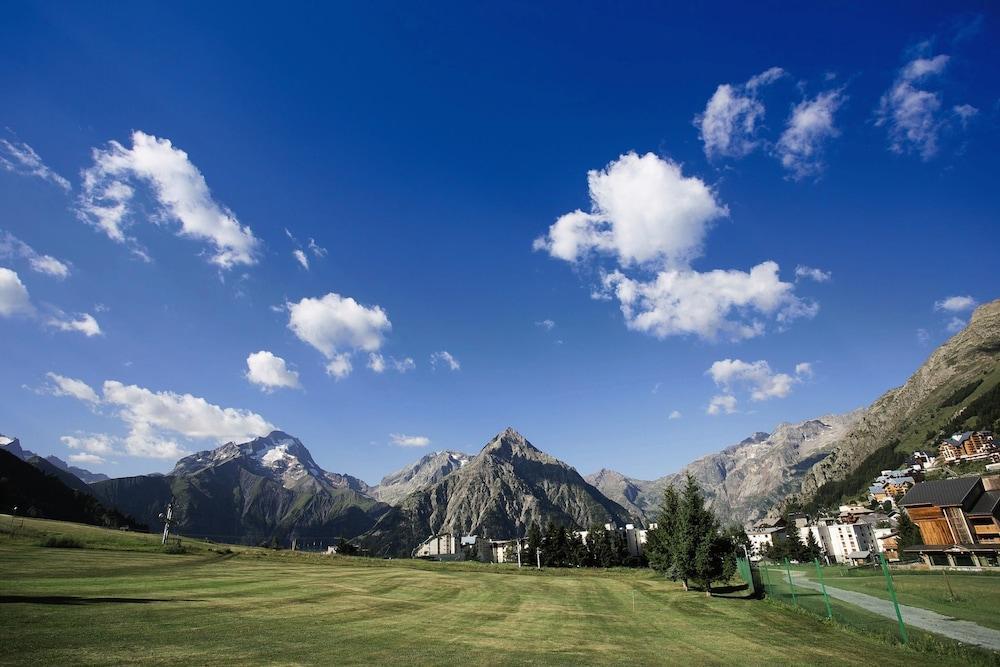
498,494
429,470
913,414
13,446
742,481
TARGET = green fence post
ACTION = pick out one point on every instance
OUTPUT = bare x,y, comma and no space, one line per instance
767,580
892,594
826,598
788,570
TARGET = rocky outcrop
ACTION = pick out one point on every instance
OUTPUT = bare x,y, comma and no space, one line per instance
505,488
429,470
912,415
742,481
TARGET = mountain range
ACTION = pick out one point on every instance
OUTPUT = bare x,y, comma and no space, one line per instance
270,488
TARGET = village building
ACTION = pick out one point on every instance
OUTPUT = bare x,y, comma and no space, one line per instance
443,546
959,521
969,446
843,541
763,538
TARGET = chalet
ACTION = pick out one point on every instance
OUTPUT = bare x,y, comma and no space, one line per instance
959,522
969,446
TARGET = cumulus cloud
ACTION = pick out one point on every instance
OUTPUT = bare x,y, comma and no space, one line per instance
721,404
675,414
86,459
445,358
92,443
911,111
337,326
710,304
401,440
810,126
12,247
955,304
20,158
955,325
160,423
66,386
379,364
82,322
14,299
180,191
757,378
270,372
643,209
811,273
729,124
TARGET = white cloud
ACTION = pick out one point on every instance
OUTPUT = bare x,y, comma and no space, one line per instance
379,363
955,325
721,404
93,443
680,302
910,111
14,299
729,124
548,325
965,113
955,304
83,323
402,440
85,458
446,358
156,419
643,210
757,377
301,258
316,249
675,414
339,366
153,417
66,386
12,247
270,372
180,191
819,275
809,127
20,158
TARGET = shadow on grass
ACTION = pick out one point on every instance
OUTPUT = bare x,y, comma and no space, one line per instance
75,600
733,592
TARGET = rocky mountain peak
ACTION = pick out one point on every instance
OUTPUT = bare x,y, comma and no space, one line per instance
12,445
510,444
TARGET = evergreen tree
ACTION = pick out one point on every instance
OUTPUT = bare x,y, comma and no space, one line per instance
578,551
534,542
659,540
908,533
812,549
698,549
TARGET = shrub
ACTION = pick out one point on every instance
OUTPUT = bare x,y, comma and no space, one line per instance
61,542
174,548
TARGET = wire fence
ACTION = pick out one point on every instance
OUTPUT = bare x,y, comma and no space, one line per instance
804,585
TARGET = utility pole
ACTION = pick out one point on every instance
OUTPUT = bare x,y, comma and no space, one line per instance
519,553
538,555
167,520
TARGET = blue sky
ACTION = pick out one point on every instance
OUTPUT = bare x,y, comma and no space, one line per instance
431,158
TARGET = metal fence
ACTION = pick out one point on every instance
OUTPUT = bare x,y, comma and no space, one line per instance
804,585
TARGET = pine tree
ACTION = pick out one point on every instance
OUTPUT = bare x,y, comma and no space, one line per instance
812,549
909,533
534,542
659,540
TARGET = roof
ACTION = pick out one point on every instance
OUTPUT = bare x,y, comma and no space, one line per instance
987,503
979,548
859,554
941,492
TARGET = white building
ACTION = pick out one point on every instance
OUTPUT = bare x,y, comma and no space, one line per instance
635,538
842,541
444,545
762,538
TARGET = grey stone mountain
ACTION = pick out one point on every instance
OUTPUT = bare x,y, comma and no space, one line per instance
741,482
430,469
13,445
264,489
955,389
509,485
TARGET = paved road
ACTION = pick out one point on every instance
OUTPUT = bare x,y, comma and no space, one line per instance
925,619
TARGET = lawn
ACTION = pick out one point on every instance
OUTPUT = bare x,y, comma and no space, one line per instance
976,596
120,600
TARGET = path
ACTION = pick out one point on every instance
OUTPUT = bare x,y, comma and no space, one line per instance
925,619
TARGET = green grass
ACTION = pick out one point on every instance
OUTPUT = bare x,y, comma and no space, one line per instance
122,600
977,596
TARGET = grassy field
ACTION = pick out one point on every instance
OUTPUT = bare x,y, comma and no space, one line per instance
976,596
121,600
